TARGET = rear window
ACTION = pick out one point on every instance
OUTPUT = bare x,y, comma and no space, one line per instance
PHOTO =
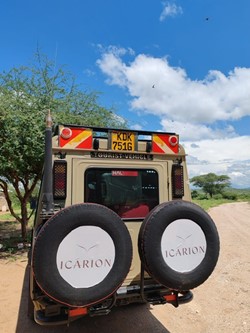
131,193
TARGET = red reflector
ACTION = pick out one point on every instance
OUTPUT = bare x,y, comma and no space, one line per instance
170,298
78,312
177,181
66,133
173,140
60,179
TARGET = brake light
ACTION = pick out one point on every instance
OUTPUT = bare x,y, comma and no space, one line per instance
60,179
177,181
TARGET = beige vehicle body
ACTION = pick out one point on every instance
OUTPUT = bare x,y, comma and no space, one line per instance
79,161
130,173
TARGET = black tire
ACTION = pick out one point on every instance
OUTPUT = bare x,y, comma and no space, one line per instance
49,246
179,266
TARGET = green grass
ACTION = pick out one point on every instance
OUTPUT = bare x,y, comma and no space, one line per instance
6,217
11,243
209,203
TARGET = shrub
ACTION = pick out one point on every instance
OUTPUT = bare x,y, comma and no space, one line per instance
194,194
202,196
230,195
218,196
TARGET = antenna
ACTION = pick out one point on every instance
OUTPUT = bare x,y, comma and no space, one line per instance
47,198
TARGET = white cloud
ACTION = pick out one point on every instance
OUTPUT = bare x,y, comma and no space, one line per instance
88,72
229,156
189,131
113,67
191,108
240,174
220,151
137,127
175,96
113,49
170,10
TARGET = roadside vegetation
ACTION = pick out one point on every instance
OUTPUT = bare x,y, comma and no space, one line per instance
230,195
12,245
213,190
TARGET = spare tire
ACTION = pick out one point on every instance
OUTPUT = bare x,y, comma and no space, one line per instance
179,245
82,255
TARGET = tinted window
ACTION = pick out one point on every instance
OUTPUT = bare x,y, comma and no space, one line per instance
130,193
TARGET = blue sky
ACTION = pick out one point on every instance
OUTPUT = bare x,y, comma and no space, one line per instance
194,53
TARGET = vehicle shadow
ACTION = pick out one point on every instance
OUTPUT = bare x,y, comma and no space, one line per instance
134,318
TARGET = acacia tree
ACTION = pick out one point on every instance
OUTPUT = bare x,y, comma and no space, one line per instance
25,95
211,183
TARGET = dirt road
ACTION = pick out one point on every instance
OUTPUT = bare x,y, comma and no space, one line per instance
220,305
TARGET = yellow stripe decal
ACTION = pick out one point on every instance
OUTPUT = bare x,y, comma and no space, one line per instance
79,138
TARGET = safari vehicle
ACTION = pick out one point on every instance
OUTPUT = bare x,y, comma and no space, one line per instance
115,224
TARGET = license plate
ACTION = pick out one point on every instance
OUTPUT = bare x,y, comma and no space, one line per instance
123,141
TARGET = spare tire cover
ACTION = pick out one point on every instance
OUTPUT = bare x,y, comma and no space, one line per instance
82,255
179,245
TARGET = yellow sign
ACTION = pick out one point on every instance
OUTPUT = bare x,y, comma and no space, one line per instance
123,141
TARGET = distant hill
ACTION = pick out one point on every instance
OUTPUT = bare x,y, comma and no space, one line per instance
247,190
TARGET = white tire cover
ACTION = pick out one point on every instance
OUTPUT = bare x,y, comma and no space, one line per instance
82,255
179,245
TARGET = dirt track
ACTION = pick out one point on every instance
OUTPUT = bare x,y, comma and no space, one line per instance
220,305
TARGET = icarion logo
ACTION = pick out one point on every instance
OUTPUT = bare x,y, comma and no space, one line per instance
183,245
185,251
85,256
83,263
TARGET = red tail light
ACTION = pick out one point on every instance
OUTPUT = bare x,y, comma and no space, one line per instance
78,312
60,179
177,181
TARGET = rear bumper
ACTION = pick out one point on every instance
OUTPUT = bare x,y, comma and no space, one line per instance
58,314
